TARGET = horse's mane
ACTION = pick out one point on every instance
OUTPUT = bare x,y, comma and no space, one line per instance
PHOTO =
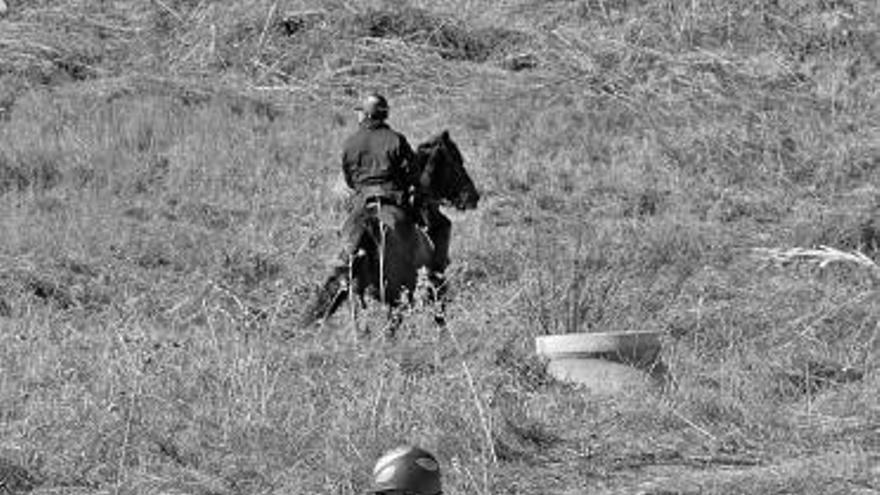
428,151
434,141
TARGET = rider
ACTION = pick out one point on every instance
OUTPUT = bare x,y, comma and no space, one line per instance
378,164
407,470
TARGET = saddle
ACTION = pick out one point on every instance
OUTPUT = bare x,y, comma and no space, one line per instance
408,201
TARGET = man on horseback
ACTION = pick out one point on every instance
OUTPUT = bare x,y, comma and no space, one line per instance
403,190
381,168
378,164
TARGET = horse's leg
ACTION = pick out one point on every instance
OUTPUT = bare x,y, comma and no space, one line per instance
395,319
352,283
353,313
438,287
338,298
439,304
381,250
440,313
325,301
440,232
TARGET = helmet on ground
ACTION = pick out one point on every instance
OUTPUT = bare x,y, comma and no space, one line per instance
374,106
407,469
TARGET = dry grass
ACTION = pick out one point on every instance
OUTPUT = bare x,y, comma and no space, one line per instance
166,172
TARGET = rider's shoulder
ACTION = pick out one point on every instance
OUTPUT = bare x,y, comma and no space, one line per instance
392,134
398,135
370,133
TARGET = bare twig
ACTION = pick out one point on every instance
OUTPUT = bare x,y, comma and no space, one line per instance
478,403
168,9
821,256
269,17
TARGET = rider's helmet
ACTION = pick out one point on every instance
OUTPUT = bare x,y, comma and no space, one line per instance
374,106
407,469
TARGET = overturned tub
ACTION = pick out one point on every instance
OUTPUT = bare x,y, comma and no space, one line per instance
605,362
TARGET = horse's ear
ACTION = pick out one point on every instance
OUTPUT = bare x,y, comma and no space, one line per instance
445,135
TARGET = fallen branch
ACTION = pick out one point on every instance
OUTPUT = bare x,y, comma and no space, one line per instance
821,256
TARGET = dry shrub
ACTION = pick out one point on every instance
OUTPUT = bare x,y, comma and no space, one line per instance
526,370
66,284
49,44
618,277
322,51
38,171
450,37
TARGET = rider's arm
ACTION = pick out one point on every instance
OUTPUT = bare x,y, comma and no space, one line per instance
348,165
407,158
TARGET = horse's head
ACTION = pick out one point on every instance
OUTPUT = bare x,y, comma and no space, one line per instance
443,172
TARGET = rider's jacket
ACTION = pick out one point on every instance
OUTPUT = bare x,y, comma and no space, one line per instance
377,161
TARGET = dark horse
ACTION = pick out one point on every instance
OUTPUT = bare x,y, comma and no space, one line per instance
394,245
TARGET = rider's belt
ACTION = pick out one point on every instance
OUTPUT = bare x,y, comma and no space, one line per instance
380,200
378,194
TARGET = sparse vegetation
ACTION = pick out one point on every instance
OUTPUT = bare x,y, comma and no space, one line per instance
166,170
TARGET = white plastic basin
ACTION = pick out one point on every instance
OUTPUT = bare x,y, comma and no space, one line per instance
635,345
601,376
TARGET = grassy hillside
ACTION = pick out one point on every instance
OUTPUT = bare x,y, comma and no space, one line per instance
167,178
